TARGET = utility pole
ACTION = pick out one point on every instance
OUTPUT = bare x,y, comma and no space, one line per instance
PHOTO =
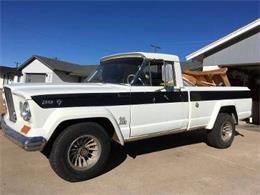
155,47
17,64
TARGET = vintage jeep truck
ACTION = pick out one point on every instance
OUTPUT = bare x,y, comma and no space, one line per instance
130,96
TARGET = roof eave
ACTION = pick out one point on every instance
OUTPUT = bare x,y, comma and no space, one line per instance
224,39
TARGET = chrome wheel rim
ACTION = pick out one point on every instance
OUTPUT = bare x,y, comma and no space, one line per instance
226,131
84,152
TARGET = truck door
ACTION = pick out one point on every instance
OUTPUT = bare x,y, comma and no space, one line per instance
155,108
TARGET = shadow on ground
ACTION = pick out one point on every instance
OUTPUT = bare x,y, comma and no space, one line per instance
133,149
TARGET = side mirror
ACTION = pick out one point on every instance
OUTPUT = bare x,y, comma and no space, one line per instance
167,75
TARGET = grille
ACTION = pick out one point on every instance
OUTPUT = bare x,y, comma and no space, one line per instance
10,104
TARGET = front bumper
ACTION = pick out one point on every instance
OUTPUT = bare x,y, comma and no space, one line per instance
27,143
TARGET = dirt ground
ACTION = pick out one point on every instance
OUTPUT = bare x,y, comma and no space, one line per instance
175,164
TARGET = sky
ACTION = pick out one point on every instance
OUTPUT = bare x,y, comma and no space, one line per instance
84,31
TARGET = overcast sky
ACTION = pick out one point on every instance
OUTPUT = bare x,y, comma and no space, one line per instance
82,32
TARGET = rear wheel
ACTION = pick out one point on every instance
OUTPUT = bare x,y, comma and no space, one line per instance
223,132
80,152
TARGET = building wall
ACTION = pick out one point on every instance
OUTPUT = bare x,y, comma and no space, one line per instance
243,52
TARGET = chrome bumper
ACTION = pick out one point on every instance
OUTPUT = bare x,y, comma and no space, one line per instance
27,143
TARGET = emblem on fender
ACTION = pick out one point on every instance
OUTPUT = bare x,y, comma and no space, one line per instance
122,120
59,101
47,102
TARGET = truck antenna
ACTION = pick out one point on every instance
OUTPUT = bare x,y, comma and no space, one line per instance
17,64
155,47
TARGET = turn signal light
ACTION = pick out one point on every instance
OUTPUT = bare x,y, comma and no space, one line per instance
25,129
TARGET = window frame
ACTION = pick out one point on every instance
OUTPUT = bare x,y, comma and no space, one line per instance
147,62
29,74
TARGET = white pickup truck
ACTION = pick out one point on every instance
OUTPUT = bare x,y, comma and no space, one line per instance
131,96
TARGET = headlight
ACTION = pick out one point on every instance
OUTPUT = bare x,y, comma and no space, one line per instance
25,111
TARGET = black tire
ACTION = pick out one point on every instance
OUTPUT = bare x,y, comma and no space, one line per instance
59,160
216,137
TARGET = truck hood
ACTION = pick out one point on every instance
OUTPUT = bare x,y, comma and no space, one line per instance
29,90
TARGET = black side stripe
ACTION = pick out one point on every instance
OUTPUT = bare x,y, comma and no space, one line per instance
116,99
218,95
108,99
158,97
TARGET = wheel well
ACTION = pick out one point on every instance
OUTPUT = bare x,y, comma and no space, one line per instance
230,110
104,122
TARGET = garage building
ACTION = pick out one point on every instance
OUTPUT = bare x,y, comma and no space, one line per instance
239,51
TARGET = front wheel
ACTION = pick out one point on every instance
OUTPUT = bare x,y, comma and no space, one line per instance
223,132
80,152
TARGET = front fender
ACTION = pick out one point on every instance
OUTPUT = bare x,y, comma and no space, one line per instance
216,110
60,115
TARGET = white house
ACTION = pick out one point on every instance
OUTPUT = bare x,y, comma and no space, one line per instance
48,70
8,75
239,51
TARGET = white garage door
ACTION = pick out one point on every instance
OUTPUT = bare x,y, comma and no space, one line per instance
35,78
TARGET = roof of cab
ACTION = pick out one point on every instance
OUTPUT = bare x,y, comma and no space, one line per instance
157,56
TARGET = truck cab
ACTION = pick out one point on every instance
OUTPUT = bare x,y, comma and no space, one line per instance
155,85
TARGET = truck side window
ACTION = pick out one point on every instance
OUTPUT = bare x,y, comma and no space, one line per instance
151,75
156,72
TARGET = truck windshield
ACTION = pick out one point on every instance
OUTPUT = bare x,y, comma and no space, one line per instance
118,71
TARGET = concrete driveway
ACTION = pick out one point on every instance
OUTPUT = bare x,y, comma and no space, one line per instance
176,164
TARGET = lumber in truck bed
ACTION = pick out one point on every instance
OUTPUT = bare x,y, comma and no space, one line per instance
207,78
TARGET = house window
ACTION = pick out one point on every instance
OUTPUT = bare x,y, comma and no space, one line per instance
35,78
